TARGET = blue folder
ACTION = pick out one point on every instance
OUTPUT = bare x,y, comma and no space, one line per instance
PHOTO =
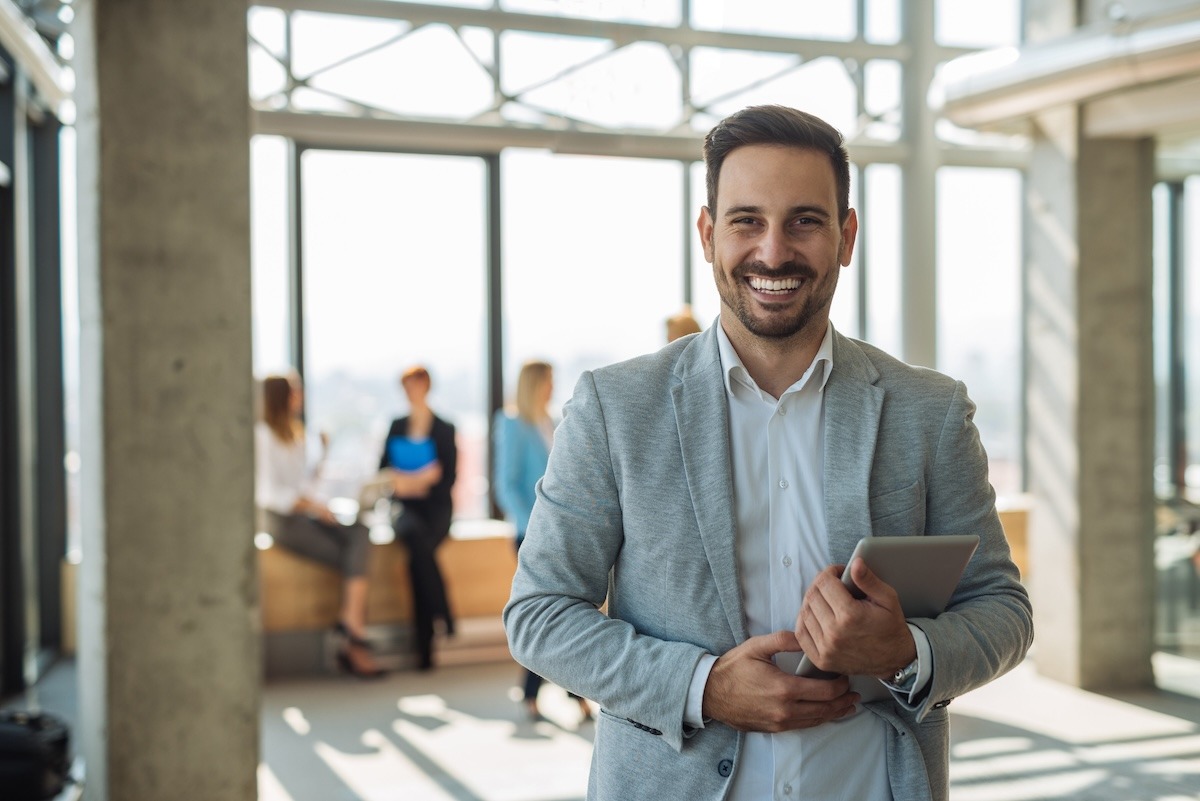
410,454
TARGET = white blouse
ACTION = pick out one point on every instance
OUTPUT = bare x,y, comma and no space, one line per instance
282,472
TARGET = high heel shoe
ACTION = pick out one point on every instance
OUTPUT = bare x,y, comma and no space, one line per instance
342,630
585,712
347,665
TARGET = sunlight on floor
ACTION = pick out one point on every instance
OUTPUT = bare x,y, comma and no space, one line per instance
429,747
1028,737
460,735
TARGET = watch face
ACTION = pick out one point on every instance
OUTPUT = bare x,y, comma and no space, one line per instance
905,673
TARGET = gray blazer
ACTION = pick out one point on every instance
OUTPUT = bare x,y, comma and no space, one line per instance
636,508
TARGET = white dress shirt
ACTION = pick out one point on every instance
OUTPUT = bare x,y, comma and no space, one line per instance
777,451
283,472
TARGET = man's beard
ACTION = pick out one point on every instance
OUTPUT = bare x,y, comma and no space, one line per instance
780,325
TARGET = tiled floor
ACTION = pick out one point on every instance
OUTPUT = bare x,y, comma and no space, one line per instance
457,734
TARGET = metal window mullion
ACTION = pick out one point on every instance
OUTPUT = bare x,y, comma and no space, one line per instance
11,627
864,258
295,219
619,32
45,152
495,306
689,232
1177,375
26,374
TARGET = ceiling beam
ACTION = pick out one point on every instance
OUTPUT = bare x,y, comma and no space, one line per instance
1147,111
621,33
425,136
995,87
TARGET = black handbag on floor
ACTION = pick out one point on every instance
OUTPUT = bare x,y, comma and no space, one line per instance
34,760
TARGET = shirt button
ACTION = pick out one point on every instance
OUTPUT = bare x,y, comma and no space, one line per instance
783,483
787,561
787,789
782,411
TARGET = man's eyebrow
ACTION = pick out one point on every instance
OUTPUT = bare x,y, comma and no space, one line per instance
733,211
813,210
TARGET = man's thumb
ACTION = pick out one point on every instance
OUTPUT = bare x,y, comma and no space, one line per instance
867,582
779,641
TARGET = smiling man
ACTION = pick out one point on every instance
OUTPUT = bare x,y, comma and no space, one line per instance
711,493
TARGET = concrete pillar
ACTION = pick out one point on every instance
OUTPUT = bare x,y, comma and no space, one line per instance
168,658
1090,400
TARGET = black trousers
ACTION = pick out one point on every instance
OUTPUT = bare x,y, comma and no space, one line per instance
344,548
421,532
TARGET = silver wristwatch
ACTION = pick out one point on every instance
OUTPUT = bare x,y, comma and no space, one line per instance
905,677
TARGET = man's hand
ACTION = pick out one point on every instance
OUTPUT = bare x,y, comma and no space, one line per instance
416,483
747,691
854,636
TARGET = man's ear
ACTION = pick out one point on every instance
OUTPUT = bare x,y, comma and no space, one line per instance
849,234
705,226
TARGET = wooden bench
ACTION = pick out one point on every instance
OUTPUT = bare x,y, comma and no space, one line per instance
300,597
300,601
298,594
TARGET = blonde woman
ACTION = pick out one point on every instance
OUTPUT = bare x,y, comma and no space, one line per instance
522,437
300,523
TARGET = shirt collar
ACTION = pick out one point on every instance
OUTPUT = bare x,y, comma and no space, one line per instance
733,370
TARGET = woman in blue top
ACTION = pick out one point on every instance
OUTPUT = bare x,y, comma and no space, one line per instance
521,447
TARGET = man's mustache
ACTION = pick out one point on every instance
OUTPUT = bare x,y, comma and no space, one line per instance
789,269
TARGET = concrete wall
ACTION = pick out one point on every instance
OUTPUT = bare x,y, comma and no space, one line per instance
169,654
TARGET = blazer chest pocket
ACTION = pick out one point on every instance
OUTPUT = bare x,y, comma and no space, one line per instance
899,512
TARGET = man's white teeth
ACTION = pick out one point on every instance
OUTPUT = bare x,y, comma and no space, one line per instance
776,285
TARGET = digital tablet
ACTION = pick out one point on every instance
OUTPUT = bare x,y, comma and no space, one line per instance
923,570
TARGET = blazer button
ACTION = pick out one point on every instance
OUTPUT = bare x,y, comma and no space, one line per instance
725,767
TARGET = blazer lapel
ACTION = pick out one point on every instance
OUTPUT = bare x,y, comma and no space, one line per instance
702,416
853,404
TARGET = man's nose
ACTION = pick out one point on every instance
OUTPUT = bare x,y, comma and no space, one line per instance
775,248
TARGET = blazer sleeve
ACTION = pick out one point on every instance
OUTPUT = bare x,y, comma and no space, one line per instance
447,449
553,621
987,627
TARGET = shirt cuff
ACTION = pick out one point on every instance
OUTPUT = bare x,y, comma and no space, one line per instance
924,665
693,713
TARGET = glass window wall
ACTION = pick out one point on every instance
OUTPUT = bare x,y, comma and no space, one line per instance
394,275
570,268
979,305
593,260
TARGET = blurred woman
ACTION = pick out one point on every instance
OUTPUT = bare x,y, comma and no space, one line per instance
422,459
522,437
299,522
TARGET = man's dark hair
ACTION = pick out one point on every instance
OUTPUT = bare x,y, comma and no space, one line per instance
776,125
